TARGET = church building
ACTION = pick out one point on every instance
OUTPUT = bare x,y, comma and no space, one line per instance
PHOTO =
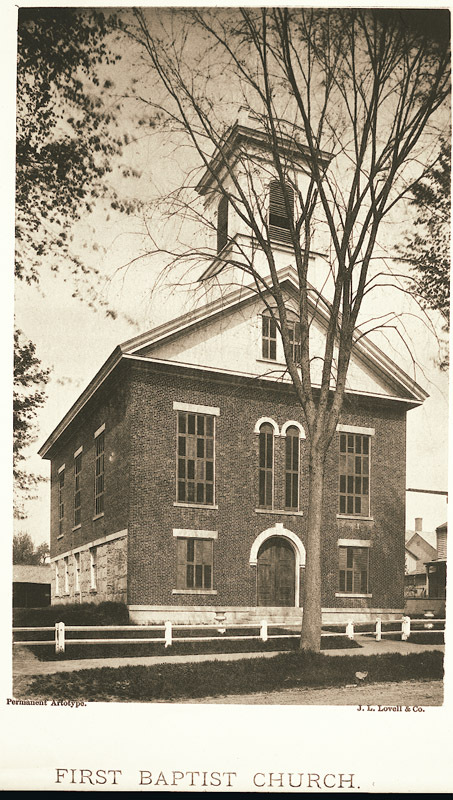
179,477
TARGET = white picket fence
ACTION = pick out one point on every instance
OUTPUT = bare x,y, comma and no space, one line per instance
60,640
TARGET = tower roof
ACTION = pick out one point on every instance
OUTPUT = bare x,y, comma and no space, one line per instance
244,135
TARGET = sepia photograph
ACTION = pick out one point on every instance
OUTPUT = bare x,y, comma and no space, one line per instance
230,395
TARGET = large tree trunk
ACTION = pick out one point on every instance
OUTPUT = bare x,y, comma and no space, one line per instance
312,617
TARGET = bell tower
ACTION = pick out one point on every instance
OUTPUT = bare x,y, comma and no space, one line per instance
242,180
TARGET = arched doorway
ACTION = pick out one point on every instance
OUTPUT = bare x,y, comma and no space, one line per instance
276,573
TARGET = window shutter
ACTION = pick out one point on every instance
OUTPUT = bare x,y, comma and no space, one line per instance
278,215
222,224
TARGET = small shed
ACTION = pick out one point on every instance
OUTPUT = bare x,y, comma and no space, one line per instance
31,585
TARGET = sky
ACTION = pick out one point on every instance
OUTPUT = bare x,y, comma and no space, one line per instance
75,341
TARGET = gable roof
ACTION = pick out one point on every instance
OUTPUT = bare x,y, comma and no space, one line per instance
406,389
420,548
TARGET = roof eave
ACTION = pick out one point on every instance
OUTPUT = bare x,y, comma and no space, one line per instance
300,152
87,393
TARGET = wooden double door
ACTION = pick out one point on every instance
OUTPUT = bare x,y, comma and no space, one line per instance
276,574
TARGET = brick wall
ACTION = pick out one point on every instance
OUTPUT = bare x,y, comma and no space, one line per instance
109,407
153,515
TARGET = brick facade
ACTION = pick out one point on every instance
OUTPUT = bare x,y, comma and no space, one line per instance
154,513
136,407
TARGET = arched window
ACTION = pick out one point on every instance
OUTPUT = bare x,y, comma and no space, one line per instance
266,465
222,224
292,468
279,226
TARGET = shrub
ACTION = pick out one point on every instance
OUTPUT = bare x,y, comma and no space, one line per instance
108,613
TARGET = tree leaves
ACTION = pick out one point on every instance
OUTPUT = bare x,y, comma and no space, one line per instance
428,251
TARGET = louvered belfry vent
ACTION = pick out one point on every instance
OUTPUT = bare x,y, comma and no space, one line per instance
222,224
278,215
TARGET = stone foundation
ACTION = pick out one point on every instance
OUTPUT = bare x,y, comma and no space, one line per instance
236,615
110,579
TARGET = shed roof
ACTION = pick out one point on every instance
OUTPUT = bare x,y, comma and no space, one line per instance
30,573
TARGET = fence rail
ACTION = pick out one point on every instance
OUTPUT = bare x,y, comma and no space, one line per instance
60,630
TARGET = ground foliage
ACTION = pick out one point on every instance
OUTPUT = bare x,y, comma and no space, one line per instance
213,678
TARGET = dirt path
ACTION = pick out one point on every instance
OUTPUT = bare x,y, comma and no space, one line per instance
406,693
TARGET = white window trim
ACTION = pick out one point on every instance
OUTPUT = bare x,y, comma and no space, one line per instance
66,574
99,431
354,543
93,568
352,594
77,452
262,421
180,504
76,572
57,579
355,429
194,591
187,533
62,468
213,411
293,424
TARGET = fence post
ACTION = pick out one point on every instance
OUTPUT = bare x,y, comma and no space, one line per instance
168,634
350,630
378,629
59,637
263,630
405,628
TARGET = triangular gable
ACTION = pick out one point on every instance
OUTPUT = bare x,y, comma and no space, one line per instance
226,335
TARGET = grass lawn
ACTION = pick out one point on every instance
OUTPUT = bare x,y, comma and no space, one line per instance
213,678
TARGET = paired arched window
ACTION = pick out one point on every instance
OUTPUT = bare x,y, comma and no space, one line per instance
281,210
291,433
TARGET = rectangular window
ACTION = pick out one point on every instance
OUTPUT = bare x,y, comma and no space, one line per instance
294,340
77,572
93,568
354,569
77,489
194,564
57,580
269,338
354,488
66,575
195,458
99,475
60,502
